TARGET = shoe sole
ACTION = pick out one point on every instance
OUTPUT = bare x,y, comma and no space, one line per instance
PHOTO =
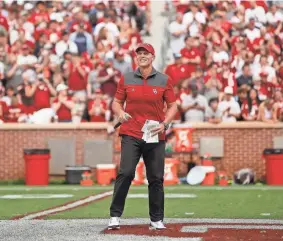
115,227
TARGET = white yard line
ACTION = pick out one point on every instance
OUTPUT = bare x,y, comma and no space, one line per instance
167,195
196,220
35,196
68,206
204,228
177,187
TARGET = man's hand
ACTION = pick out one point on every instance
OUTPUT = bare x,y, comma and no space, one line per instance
157,130
123,116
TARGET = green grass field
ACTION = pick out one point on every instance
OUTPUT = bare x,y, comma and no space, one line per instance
244,202
15,207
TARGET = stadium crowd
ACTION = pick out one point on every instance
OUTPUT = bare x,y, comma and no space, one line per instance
228,60
63,59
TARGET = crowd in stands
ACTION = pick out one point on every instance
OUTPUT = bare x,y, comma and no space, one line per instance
60,61
228,61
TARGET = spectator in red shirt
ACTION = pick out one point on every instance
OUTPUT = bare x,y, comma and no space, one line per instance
177,71
40,15
109,84
63,104
78,19
77,74
15,111
191,55
266,87
97,107
41,91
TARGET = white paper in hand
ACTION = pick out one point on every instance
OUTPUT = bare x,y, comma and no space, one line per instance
147,136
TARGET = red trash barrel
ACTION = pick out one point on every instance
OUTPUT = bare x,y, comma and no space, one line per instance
274,166
37,166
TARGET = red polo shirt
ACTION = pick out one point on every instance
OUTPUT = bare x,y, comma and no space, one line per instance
190,54
177,72
144,100
63,113
42,96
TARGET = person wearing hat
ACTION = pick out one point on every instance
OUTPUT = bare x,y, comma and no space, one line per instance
145,91
63,104
229,107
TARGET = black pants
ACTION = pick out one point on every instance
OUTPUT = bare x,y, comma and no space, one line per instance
153,155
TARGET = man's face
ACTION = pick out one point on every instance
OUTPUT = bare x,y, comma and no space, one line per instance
228,97
251,24
188,42
242,95
273,9
63,93
194,93
214,105
264,79
178,60
144,58
25,51
41,7
10,92
263,61
65,37
120,58
246,71
179,18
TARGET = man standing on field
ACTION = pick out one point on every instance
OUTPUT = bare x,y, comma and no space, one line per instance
144,91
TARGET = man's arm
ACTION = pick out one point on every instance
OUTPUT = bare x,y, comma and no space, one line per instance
172,110
50,87
56,106
117,106
118,109
29,91
215,120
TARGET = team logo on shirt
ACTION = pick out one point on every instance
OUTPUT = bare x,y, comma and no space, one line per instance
154,91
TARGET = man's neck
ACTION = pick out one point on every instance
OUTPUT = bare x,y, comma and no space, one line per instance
146,71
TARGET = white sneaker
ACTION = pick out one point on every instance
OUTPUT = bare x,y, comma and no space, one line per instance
157,225
114,223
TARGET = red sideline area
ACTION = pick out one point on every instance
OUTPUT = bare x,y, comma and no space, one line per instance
174,230
64,204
